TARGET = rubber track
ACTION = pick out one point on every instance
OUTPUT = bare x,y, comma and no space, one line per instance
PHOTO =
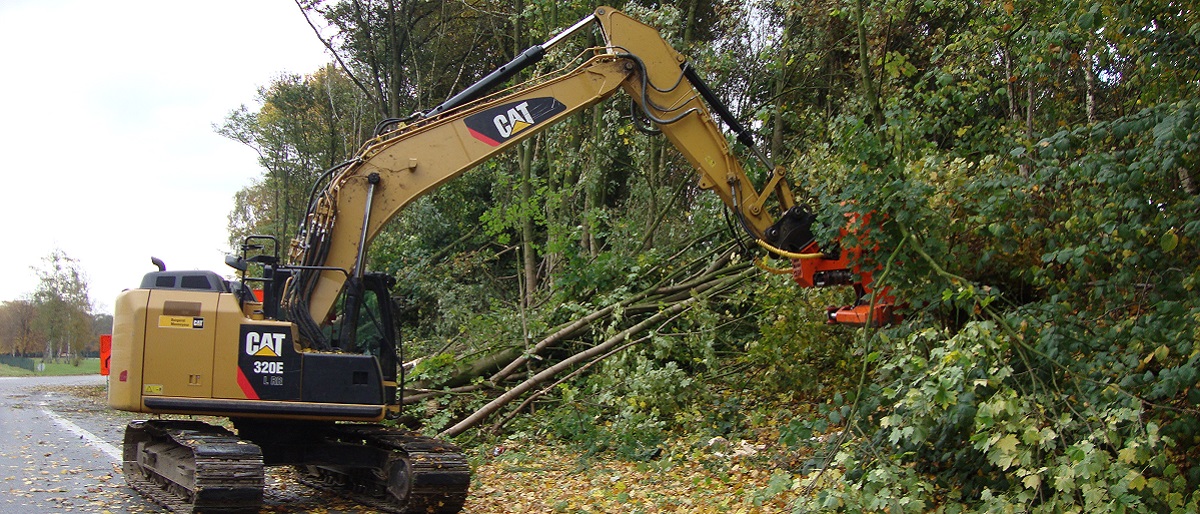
438,474
228,476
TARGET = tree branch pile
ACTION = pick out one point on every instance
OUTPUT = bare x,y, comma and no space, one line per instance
517,369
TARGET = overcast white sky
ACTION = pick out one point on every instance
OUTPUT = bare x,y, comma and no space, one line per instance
107,148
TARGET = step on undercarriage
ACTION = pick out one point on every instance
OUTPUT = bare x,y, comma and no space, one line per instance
189,466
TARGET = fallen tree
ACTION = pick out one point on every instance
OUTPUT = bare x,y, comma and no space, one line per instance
509,372
658,319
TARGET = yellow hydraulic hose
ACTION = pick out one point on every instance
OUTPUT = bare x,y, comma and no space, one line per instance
786,254
762,265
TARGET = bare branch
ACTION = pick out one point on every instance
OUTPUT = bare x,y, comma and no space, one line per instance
329,45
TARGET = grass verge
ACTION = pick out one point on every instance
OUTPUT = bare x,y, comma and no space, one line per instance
87,367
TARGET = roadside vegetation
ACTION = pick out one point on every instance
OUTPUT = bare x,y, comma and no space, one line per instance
580,315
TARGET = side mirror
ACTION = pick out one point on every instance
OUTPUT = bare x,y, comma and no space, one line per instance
236,262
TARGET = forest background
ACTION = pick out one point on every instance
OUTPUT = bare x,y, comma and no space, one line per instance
1033,166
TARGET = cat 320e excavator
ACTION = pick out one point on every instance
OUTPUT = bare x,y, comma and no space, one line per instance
285,361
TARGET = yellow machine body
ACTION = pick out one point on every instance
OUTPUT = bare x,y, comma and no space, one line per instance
200,352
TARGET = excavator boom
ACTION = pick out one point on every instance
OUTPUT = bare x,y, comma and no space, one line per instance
396,168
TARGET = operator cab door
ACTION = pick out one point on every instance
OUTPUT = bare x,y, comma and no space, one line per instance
180,334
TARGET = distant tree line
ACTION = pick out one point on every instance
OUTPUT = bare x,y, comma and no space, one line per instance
56,322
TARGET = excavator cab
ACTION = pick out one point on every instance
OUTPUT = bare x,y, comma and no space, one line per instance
359,366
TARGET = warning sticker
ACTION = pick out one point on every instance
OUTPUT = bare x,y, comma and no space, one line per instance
180,322
152,389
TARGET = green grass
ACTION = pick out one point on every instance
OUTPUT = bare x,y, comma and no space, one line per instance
87,367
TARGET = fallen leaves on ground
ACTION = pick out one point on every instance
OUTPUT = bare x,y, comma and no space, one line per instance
685,478
547,479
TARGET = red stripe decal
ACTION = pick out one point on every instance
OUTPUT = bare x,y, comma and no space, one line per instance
482,137
247,389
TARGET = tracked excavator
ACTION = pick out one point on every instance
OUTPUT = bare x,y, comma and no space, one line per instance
301,356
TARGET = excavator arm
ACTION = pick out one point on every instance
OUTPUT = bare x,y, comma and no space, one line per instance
673,96
396,168
423,152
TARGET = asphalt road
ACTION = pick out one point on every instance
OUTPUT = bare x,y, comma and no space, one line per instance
60,452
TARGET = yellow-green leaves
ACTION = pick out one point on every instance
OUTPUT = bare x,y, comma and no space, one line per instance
1169,241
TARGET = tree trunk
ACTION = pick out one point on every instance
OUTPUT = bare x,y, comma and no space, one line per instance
528,253
1089,77
594,188
1010,86
381,94
689,23
717,275
528,401
1029,100
654,179
396,62
1185,179
870,92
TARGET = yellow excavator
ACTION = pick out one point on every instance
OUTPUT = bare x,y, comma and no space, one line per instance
283,355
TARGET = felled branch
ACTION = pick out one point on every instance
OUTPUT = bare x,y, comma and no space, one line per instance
520,389
595,352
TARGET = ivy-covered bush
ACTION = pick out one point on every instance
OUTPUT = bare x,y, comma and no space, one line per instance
1050,361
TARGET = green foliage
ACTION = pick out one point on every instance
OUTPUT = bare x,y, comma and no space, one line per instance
796,351
1022,177
625,408
433,368
64,316
956,423
304,125
444,278
1046,255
